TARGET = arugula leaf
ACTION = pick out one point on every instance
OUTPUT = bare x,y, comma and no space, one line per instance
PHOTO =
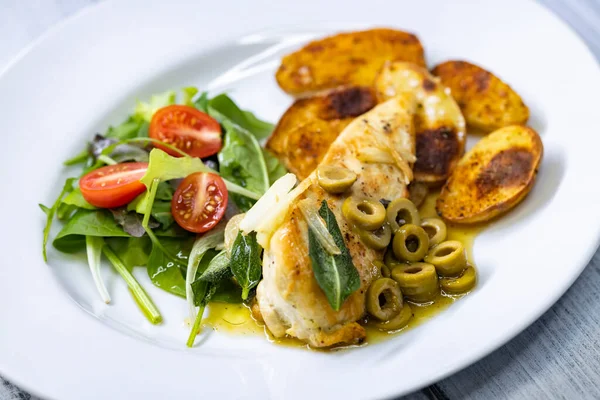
84,223
133,251
275,168
163,271
79,158
218,269
223,108
241,161
161,212
75,198
246,262
145,110
336,274
68,186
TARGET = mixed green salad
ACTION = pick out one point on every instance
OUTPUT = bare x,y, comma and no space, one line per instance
156,191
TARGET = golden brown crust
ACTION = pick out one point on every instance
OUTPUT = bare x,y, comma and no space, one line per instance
309,126
493,177
439,124
486,102
346,59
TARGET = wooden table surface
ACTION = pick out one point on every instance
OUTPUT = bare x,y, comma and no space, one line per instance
558,357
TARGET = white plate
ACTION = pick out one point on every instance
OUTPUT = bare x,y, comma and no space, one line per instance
87,73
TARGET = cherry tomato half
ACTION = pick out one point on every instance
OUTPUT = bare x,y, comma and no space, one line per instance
199,202
113,185
186,128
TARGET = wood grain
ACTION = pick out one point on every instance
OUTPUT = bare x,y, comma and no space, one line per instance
558,357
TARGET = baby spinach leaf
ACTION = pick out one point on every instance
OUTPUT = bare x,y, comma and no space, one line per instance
68,186
275,168
241,161
336,274
246,262
218,269
163,271
202,102
84,223
133,251
223,108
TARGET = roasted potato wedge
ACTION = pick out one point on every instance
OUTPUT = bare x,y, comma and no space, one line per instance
493,177
439,124
310,125
486,102
345,59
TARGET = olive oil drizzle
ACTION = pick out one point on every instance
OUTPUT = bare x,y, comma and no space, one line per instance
237,318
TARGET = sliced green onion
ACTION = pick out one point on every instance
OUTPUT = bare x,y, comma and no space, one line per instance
141,297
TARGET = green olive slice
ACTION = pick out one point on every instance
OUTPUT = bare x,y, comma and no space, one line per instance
436,230
335,179
396,323
384,299
364,213
382,269
402,211
461,284
410,243
418,281
377,239
449,258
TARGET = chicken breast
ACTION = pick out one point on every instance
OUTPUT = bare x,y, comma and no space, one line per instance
289,298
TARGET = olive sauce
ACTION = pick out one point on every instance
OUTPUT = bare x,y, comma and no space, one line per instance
237,318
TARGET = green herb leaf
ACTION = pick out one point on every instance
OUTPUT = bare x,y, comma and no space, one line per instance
241,161
223,108
218,269
188,94
163,271
81,157
227,291
246,262
84,223
68,186
127,130
336,274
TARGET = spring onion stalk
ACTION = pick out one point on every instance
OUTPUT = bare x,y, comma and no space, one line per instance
196,328
106,160
94,246
317,225
209,240
138,292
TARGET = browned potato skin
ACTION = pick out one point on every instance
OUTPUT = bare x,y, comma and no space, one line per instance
486,102
345,59
303,135
493,177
